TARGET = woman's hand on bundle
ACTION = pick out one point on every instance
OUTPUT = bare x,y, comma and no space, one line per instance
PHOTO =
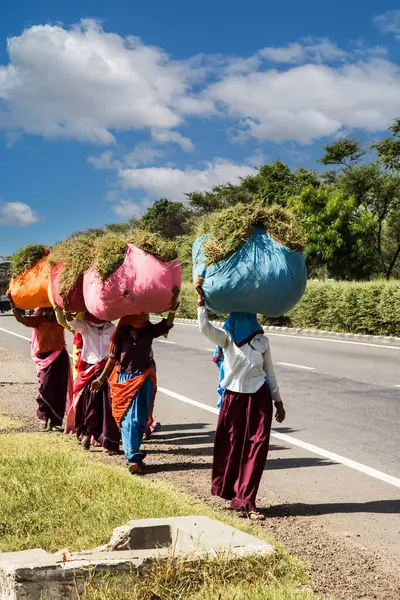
175,299
198,284
10,298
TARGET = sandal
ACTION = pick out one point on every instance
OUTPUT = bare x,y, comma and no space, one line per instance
135,468
86,442
110,452
254,515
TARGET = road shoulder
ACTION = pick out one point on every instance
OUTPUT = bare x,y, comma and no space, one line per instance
181,455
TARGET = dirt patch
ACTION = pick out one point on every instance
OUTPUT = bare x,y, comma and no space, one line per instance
18,390
338,567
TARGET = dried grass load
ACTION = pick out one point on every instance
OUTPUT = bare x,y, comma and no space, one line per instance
110,249
231,228
26,258
76,254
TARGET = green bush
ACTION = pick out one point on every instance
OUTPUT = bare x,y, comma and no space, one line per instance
371,308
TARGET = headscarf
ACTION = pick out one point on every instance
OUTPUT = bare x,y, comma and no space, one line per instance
42,312
135,321
242,328
94,320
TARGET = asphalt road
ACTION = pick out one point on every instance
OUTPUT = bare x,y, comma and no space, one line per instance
340,398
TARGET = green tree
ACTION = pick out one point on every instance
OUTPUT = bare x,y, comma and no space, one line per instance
121,227
338,232
271,184
170,219
221,196
388,153
376,190
343,152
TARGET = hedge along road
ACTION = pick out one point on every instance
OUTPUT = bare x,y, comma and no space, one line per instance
341,400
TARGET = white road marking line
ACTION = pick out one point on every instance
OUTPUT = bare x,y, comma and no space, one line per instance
347,462
309,337
166,342
23,337
397,386
285,364
210,409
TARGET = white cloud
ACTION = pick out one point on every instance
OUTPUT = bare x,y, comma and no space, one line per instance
164,137
126,208
311,101
17,214
389,22
174,183
103,162
309,50
142,154
257,159
85,84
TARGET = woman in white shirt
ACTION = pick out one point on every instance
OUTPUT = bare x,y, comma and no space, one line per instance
90,416
244,425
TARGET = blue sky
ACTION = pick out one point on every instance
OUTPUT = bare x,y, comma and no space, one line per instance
107,106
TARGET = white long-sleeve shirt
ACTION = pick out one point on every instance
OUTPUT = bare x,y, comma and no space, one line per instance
245,368
96,340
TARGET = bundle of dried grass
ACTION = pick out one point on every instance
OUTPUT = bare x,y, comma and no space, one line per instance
153,243
110,249
232,227
76,254
109,253
26,258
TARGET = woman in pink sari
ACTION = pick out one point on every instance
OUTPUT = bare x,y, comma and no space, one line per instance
52,363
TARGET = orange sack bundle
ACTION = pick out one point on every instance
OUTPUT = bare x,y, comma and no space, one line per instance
29,286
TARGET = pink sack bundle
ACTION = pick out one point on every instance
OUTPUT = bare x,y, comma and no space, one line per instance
75,294
142,284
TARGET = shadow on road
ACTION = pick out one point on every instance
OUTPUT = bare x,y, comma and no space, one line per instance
18,383
284,430
309,510
183,427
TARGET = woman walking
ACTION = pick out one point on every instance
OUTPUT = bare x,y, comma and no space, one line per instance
90,415
244,425
133,381
50,355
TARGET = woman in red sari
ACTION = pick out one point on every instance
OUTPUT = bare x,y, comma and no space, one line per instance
53,366
90,415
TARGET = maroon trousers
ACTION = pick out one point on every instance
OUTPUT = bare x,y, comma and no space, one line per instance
53,389
241,447
94,417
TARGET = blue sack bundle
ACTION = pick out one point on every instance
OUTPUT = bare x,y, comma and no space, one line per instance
263,277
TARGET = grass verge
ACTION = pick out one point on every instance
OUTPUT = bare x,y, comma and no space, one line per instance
54,496
7,424
250,578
